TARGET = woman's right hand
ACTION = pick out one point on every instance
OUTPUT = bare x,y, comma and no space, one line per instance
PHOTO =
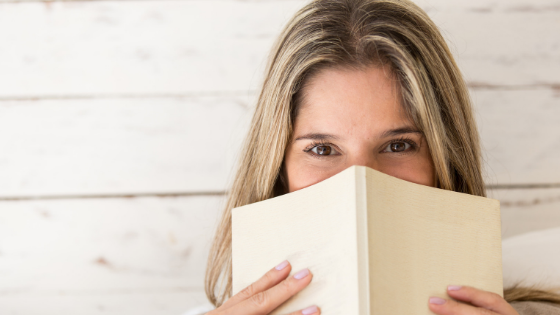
267,293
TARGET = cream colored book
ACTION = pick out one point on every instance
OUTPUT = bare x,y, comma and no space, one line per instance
375,244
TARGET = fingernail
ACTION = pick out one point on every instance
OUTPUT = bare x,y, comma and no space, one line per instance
436,300
310,310
302,274
282,265
454,287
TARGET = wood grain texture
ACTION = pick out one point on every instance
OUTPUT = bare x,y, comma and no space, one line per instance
520,135
182,47
120,146
502,43
527,210
136,47
140,303
105,246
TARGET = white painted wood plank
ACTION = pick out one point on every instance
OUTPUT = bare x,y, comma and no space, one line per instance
527,210
105,246
150,303
120,146
171,47
486,41
136,47
520,135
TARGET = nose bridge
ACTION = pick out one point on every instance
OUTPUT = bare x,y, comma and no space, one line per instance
364,158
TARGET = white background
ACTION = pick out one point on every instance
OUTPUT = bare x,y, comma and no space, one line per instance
120,122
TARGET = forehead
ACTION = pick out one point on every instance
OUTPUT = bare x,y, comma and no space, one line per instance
355,101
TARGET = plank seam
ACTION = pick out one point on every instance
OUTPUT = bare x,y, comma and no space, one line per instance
16,292
536,86
471,85
220,193
109,196
125,96
51,1
523,186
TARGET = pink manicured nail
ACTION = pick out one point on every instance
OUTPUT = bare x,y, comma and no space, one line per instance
454,287
282,265
436,300
302,274
310,310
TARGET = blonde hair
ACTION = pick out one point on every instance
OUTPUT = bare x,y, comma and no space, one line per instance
352,33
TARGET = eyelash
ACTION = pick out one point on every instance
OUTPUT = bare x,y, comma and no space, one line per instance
413,146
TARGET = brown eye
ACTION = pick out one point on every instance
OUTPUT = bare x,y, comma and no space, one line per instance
322,150
397,147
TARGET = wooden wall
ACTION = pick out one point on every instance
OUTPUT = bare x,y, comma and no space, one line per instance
120,122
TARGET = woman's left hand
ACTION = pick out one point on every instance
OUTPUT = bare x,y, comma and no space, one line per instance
476,302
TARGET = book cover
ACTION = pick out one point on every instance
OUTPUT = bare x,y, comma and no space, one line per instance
375,244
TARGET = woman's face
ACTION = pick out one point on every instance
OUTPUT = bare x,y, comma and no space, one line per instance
354,117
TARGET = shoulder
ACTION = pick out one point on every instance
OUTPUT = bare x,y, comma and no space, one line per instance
536,308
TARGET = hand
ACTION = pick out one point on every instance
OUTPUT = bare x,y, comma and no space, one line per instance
267,293
481,302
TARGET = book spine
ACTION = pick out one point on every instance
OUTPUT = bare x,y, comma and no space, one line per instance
362,240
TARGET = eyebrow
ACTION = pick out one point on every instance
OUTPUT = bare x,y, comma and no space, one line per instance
388,133
400,131
317,136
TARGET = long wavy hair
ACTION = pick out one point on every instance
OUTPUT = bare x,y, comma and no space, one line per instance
356,33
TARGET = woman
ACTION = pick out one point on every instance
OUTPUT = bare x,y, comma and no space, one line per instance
358,82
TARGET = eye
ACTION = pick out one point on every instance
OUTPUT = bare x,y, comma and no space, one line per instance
323,150
396,147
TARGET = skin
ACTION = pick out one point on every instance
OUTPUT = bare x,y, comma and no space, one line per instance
354,117
357,116
267,293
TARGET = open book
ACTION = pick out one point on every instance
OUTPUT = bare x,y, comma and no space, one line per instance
375,244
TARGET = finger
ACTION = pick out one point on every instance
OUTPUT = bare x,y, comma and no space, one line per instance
312,310
264,302
481,298
450,307
270,279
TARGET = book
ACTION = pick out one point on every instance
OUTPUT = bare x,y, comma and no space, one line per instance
375,244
